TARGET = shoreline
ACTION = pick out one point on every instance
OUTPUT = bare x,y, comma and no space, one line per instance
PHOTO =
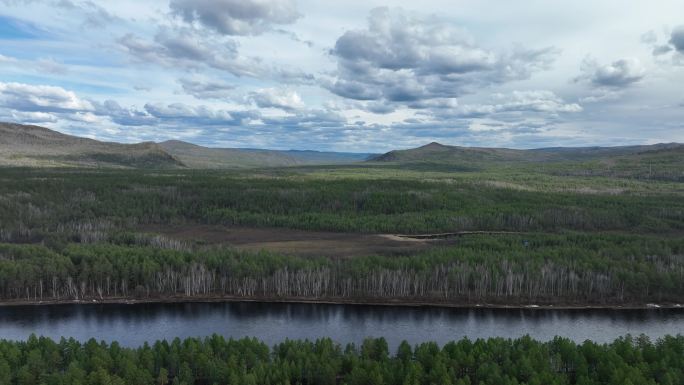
341,301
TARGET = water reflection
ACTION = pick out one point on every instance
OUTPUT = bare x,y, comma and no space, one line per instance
132,325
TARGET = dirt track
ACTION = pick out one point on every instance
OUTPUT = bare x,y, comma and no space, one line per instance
298,242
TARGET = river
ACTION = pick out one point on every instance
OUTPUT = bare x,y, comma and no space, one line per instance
132,325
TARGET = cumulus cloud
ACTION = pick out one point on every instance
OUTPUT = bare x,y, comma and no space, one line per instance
277,98
541,102
206,89
677,39
661,49
171,114
236,17
190,48
621,73
674,44
184,47
403,57
32,117
41,98
41,104
535,101
125,116
180,112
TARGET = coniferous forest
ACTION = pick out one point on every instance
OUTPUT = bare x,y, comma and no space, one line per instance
216,360
531,237
85,234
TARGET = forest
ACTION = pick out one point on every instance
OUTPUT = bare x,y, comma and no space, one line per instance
217,360
81,235
564,269
36,205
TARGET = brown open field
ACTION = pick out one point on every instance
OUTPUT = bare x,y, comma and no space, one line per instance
298,242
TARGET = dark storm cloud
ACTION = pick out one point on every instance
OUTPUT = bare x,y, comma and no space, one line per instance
236,17
621,73
405,58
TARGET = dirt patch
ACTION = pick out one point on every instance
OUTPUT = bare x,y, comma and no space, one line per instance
298,242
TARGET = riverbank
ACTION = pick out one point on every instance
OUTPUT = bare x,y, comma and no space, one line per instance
346,301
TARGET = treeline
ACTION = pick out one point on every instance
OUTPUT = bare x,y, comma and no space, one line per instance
216,360
83,205
506,269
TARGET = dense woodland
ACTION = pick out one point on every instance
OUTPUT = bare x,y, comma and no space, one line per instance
75,234
216,360
507,269
36,205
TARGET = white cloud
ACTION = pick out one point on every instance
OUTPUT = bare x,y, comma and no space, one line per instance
277,98
620,73
237,17
41,98
259,73
7,60
403,57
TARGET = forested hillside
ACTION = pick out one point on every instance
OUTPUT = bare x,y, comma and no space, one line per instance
216,360
659,161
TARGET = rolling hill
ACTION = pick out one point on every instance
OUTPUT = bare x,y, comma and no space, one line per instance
439,153
24,145
35,146
664,161
195,156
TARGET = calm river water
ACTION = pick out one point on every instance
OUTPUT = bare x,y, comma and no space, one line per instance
132,325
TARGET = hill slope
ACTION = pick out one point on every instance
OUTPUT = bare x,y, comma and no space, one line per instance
439,153
657,161
195,156
24,145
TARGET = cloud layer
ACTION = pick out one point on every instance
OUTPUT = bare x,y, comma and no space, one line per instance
346,76
237,17
405,58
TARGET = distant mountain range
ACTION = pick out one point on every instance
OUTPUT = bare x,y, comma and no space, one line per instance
26,145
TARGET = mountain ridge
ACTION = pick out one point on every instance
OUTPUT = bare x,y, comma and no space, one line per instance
37,146
441,153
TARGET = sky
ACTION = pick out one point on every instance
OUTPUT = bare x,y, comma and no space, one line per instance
355,76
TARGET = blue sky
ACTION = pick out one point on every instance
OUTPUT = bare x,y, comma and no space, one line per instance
346,76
